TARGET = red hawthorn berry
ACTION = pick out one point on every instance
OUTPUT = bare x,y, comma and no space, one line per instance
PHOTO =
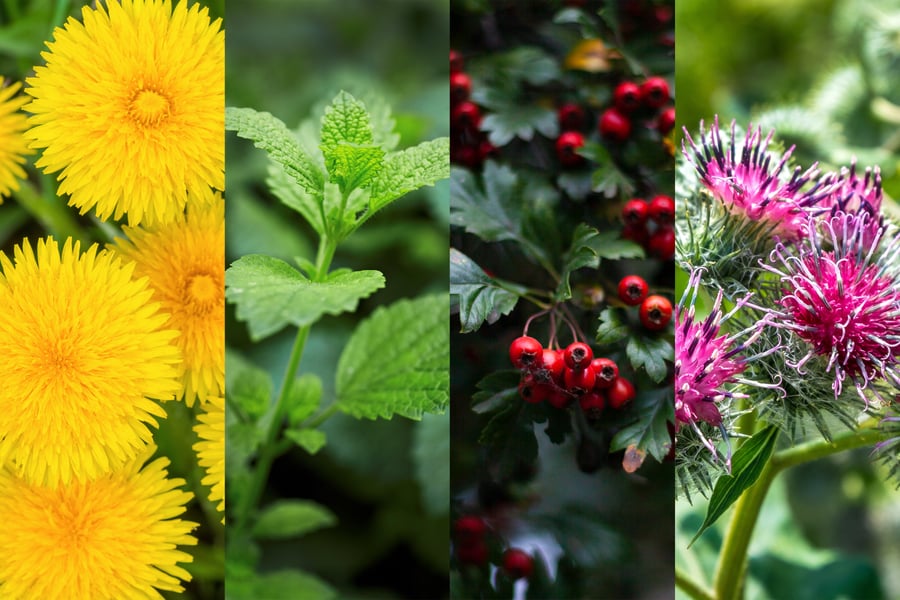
526,353
632,290
662,209
466,116
666,121
614,125
456,61
552,365
606,371
469,528
662,15
467,156
566,145
579,381
620,394
475,553
636,233
578,355
627,97
661,244
460,87
571,117
655,92
517,564
592,404
655,312
532,390
487,150
559,398
635,212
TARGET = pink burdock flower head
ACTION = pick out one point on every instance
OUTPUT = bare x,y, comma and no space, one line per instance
707,363
842,299
857,197
753,182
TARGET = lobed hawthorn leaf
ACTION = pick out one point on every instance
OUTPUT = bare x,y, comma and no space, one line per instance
747,465
481,297
291,518
270,294
613,326
648,432
396,361
580,254
519,120
495,390
509,437
651,353
272,135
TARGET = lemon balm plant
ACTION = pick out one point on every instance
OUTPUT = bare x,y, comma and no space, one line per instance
111,459
337,170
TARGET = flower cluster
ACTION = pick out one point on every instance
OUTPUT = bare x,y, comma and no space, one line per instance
814,286
98,340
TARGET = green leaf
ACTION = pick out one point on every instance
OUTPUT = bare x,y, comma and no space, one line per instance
291,518
607,178
613,326
431,453
481,297
295,196
270,293
251,391
495,213
352,157
304,398
650,353
270,134
352,166
649,431
495,390
397,360
311,440
608,244
519,120
346,120
409,170
580,254
279,585
746,466
509,438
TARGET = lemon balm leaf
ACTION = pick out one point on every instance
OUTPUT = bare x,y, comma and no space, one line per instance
272,135
396,362
409,170
270,294
292,518
346,121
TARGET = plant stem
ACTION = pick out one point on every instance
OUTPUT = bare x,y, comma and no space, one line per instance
733,557
50,212
691,587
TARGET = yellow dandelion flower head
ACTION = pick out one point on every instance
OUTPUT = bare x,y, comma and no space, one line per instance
111,537
185,264
210,428
84,353
129,108
13,146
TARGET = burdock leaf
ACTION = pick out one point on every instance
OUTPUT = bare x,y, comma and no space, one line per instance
481,297
747,465
270,134
269,293
396,361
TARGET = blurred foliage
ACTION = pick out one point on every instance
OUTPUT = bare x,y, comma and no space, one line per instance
287,58
824,75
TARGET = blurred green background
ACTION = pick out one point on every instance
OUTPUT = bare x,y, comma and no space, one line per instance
286,57
826,75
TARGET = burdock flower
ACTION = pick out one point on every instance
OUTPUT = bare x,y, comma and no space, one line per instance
110,537
709,364
185,263
751,182
13,146
210,428
840,297
129,108
84,353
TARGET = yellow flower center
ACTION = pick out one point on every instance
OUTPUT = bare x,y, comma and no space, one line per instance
149,107
202,293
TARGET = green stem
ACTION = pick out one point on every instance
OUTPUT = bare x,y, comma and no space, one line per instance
732,564
51,213
691,587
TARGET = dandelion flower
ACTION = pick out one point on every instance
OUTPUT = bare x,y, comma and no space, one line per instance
13,146
111,537
185,263
708,364
842,299
129,108
84,354
210,428
746,181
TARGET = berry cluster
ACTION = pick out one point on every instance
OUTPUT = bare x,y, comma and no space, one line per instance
469,146
632,101
471,548
651,224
